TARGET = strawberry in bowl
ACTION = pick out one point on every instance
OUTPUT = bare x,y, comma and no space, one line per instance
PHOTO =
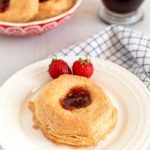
30,21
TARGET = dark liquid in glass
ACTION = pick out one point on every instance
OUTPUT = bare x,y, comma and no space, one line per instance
122,6
4,5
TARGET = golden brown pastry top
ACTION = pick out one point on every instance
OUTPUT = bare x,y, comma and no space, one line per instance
32,10
78,127
51,8
48,100
20,11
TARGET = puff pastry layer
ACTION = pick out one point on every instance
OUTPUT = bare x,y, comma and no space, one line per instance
32,10
51,8
79,127
20,11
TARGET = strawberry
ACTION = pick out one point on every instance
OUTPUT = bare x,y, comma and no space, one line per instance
58,67
83,67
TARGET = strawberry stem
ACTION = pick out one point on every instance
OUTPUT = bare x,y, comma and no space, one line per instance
84,61
53,60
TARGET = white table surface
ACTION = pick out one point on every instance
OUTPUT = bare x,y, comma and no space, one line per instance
17,52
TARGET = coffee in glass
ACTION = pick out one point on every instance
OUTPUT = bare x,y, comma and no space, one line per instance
121,11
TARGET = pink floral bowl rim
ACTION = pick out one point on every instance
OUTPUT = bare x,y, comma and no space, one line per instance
37,27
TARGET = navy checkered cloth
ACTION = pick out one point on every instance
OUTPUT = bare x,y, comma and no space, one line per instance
123,46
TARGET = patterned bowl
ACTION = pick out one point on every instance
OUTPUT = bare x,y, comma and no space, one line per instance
37,27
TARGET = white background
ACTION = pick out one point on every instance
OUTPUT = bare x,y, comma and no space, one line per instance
17,52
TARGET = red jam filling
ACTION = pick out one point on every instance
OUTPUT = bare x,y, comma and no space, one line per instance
77,98
43,0
4,4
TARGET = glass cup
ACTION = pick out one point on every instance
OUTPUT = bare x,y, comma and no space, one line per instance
124,12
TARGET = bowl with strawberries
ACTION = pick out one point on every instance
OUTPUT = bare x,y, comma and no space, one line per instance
32,17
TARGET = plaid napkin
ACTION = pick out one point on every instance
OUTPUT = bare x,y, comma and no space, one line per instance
123,46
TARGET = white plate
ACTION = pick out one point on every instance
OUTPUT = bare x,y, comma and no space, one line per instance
128,94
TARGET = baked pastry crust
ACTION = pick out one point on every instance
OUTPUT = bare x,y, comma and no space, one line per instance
51,8
20,11
79,127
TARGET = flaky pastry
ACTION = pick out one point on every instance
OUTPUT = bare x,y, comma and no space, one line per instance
51,8
19,10
64,118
